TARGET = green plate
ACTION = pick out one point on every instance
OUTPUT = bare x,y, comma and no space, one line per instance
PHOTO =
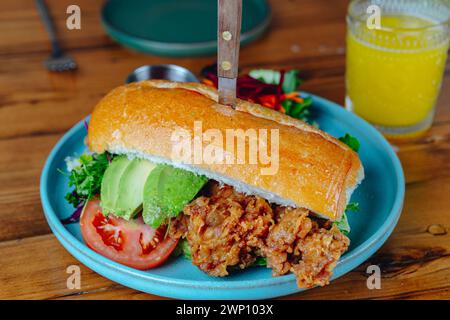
177,27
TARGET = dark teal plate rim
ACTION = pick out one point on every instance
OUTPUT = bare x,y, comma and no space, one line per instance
173,48
245,289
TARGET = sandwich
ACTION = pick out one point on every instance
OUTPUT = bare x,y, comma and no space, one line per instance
170,170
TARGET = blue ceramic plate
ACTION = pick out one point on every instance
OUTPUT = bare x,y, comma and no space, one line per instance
380,197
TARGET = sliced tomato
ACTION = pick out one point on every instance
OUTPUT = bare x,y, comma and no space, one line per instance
132,243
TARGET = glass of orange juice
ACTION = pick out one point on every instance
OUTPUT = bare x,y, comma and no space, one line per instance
396,55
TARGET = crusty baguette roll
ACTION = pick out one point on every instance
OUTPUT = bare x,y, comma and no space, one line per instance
316,171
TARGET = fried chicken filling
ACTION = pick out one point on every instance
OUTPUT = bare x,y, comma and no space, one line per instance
228,230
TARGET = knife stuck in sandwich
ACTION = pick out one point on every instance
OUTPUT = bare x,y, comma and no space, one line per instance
228,37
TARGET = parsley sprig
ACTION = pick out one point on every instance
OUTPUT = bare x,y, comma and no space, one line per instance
86,178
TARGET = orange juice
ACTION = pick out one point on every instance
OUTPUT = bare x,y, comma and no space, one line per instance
394,73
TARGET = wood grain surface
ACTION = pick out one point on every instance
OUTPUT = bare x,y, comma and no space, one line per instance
37,107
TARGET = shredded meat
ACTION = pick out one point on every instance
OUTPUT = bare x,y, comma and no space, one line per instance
308,248
291,224
226,229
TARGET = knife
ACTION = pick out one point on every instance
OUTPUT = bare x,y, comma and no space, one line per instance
228,42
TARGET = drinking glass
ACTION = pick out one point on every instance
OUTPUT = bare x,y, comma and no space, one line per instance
396,56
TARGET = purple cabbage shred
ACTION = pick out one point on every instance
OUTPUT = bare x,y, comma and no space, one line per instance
75,216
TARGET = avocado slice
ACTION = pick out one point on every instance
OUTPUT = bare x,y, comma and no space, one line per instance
166,192
131,186
110,183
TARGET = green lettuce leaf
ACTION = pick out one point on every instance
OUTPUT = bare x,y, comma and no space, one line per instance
351,141
260,262
291,80
352,206
182,249
343,225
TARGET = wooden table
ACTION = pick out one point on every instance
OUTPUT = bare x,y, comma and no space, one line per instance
37,107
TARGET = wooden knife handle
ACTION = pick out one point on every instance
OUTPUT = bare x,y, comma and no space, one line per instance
229,32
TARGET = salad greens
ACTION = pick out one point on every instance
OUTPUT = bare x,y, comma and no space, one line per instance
182,249
291,81
292,102
342,224
260,262
299,110
85,176
185,250
352,206
291,78
351,141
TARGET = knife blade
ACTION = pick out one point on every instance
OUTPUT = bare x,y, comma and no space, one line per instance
229,31
227,91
